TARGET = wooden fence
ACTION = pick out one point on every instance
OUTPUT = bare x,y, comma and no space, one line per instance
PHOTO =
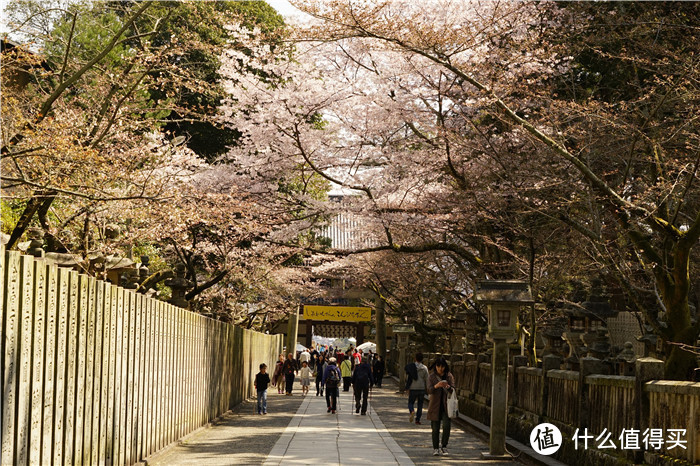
676,405
96,374
595,402
563,390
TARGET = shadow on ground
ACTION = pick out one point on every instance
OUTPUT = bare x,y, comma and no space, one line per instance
416,440
239,437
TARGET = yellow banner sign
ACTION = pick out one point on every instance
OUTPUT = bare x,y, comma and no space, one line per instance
338,313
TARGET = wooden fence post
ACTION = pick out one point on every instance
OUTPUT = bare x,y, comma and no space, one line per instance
646,369
518,361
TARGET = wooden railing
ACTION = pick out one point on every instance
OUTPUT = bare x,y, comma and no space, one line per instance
96,374
596,402
529,393
562,402
611,394
676,405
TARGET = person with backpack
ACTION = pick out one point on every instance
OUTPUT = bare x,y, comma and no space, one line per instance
416,387
361,380
346,373
331,380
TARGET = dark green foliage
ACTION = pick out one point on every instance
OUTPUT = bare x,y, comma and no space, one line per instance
200,30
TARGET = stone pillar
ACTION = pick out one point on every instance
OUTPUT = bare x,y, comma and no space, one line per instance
549,362
401,363
292,331
499,399
646,369
589,366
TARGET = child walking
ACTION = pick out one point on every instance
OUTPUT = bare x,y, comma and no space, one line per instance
262,380
305,378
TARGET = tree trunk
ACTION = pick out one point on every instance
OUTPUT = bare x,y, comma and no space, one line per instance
675,289
532,340
380,322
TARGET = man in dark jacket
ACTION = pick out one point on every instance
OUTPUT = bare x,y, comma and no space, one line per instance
331,380
378,371
361,380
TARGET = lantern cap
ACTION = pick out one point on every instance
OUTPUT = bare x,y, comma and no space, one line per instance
503,291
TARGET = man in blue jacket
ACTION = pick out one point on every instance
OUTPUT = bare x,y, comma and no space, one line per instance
331,380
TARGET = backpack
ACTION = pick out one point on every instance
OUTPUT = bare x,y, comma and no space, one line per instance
333,378
412,372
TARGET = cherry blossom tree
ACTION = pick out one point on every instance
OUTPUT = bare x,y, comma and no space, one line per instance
451,122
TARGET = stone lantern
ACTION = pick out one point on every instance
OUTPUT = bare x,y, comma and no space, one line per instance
503,299
402,332
458,325
179,285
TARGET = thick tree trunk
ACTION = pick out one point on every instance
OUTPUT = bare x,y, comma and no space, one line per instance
674,292
679,362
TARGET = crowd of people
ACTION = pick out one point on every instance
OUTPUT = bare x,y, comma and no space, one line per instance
331,368
316,361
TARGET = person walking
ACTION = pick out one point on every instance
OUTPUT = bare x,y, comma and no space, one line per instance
304,356
346,373
440,386
262,380
278,375
361,380
331,380
417,388
378,370
320,370
314,357
289,369
305,374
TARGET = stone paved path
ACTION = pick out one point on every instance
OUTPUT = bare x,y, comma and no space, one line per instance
416,440
298,430
239,437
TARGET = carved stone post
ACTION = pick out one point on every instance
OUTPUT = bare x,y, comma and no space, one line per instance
36,242
589,366
549,362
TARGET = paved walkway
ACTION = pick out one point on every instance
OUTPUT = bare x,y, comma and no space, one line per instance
316,437
298,430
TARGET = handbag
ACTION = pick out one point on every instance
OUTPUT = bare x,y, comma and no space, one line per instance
452,405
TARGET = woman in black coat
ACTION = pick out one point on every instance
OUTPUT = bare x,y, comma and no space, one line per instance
320,369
